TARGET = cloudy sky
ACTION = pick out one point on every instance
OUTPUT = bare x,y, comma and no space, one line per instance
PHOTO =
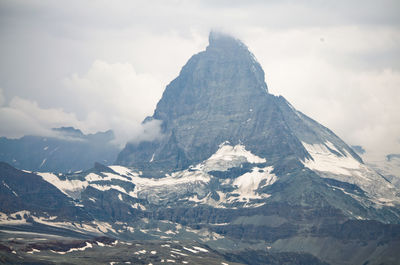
99,65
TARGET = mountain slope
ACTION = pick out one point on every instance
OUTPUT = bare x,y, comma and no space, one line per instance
26,192
220,96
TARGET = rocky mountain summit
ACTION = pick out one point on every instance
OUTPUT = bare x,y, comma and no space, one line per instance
238,177
221,95
219,101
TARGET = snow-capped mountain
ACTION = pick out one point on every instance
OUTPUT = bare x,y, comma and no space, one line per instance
237,169
220,96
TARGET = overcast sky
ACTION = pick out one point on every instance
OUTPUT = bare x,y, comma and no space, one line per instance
100,65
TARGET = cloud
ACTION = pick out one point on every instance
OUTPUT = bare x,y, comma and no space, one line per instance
112,96
115,96
23,117
337,77
150,130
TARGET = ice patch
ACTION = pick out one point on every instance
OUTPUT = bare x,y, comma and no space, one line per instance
346,168
326,161
245,190
228,156
249,182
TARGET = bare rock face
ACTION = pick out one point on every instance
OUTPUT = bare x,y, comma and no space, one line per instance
221,95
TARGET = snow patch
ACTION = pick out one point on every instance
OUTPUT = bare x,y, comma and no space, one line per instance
88,245
346,168
33,251
16,218
191,250
228,156
44,161
248,183
123,170
68,187
201,249
8,187
326,161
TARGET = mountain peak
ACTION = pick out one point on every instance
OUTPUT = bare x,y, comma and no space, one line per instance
69,131
221,95
223,40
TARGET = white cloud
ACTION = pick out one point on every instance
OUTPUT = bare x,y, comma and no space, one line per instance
115,96
331,74
23,117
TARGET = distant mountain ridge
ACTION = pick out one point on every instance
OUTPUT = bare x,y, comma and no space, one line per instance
70,150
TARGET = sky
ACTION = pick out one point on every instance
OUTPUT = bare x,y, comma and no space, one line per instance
99,65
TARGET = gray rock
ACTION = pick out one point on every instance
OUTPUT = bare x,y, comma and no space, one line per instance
221,95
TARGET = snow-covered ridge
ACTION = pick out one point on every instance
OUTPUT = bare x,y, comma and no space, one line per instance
326,161
181,184
344,167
